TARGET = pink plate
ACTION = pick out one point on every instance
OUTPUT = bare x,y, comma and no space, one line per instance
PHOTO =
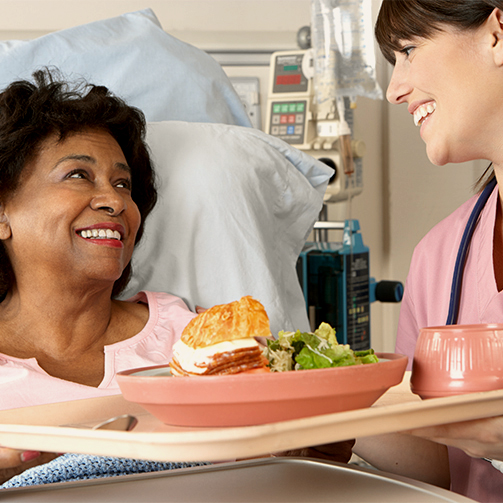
251,399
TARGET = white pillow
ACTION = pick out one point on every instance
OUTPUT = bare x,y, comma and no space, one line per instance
132,55
235,208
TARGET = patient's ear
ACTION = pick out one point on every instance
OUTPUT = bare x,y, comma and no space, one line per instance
5,230
495,24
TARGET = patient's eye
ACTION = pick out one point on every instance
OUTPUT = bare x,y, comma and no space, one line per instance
77,173
124,184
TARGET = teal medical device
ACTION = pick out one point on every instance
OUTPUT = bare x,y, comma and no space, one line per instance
335,279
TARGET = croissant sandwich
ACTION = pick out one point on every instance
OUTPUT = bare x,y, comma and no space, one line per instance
221,340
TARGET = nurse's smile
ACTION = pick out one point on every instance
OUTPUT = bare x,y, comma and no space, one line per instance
423,112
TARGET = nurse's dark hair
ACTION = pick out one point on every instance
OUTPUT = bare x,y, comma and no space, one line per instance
401,21
33,111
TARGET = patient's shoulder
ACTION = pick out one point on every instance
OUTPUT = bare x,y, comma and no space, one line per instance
164,308
163,300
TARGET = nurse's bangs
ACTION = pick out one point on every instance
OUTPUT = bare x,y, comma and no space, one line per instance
401,20
404,20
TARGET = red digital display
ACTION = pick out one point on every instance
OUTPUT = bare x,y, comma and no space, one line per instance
288,80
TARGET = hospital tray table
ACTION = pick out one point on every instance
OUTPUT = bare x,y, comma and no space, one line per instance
261,480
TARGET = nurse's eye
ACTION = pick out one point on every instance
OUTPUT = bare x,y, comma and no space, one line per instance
407,50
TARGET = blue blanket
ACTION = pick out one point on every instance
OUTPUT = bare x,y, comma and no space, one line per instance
70,467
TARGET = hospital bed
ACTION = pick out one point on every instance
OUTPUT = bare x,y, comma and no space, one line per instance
235,205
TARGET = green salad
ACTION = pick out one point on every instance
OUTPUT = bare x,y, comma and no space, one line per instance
313,350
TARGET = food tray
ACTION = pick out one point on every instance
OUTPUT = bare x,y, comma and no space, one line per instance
37,428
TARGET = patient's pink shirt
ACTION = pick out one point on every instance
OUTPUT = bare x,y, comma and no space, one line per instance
426,304
23,383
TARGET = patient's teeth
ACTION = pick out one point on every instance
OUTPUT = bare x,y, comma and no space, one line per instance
101,233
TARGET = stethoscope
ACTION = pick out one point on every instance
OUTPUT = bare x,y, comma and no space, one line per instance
457,277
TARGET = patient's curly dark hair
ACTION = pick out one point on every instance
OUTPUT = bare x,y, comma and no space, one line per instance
30,112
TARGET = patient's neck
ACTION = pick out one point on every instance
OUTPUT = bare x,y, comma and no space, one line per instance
67,334
48,319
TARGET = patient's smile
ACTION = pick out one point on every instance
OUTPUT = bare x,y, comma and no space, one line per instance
105,233
101,234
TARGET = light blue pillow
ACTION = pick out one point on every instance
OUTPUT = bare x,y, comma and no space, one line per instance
235,208
133,56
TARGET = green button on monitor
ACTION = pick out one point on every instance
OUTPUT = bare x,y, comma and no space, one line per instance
292,107
276,108
300,107
284,107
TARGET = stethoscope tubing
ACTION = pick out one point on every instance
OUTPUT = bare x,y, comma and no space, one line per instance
457,277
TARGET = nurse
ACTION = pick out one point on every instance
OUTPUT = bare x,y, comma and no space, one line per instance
448,70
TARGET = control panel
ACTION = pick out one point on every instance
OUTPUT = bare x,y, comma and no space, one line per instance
291,116
290,98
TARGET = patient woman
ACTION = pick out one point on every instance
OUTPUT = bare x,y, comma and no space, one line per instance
76,184
448,72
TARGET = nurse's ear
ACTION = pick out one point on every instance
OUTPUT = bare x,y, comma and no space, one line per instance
5,230
495,24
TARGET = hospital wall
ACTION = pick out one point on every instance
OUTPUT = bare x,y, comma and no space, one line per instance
404,194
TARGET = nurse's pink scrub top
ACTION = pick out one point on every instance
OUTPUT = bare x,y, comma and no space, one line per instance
426,303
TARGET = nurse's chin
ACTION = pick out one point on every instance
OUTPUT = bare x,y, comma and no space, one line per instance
441,156
437,160
442,160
